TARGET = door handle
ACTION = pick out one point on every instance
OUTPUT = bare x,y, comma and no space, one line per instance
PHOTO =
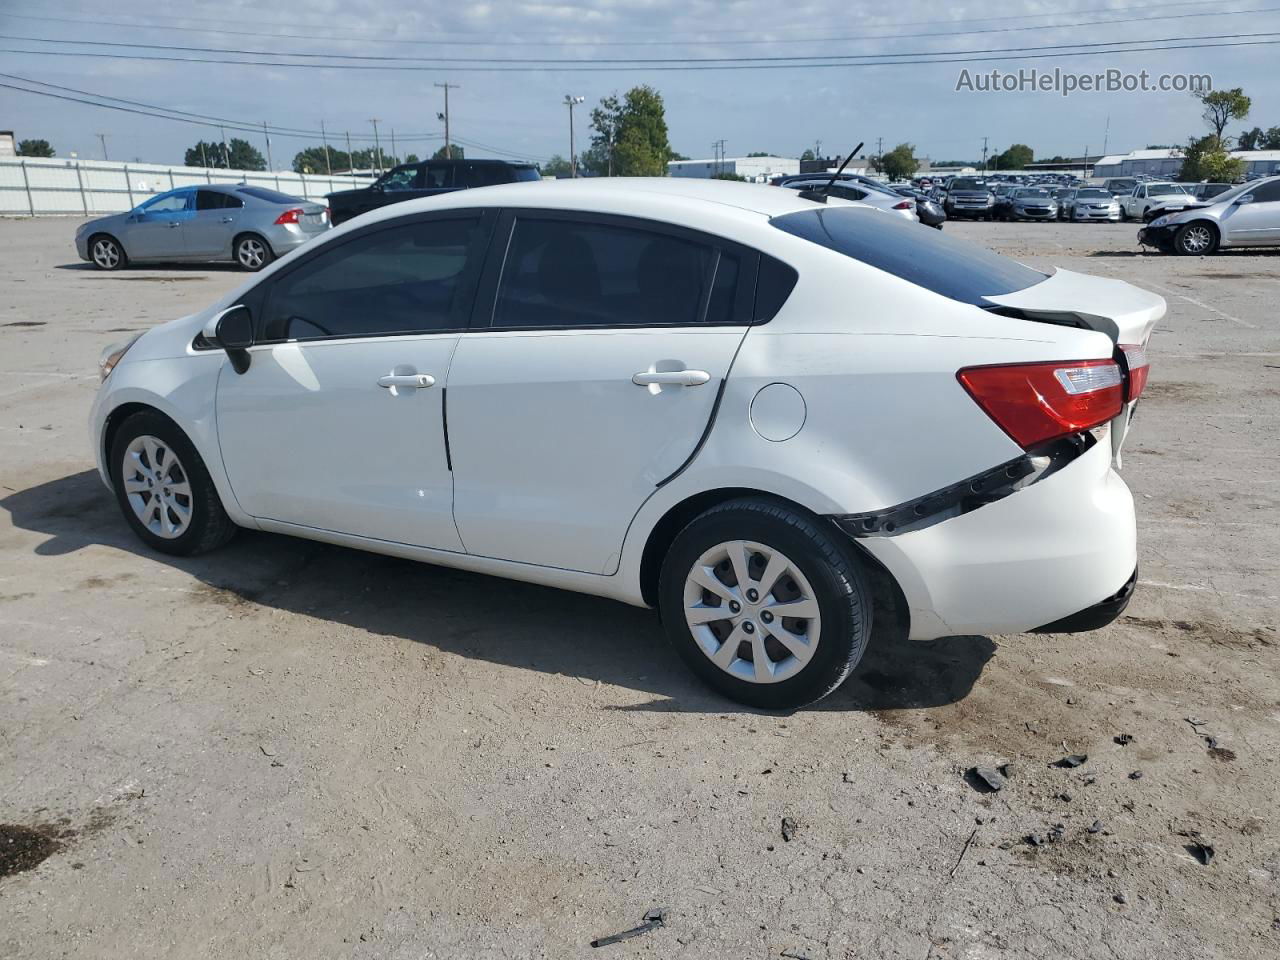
173,224
414,381
228,219
677,378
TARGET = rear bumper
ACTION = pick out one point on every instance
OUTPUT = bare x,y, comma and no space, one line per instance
286,237
1042,554
1097,616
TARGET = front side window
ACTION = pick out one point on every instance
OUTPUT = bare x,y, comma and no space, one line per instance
566,273
168,203
401,178
403,279
1267,193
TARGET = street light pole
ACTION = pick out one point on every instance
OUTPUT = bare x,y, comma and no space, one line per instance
448,148
571,101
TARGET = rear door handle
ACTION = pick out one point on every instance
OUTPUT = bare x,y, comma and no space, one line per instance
414,381
228,219
677,378
174,223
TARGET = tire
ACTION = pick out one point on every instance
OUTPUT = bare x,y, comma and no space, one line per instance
1195,239
106,253
1124,214
148,440
251,252
819,570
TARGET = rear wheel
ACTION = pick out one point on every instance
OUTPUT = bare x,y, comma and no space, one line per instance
765,604
107,253
252,252
1195,240
164,489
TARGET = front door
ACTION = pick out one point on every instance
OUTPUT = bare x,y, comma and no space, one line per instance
157,231
1257,221
338,423
595,381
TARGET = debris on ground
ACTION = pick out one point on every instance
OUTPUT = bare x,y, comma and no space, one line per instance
1124,739
1096,826
1120,898
1136,775
963,850
789,828
987,779
1071,760
1198,846
1059,832
655,918
1035,840
24,848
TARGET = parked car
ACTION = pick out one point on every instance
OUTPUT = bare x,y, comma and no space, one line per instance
427,179
928,210
248,225
1150,199
1033,203
769,417
1090,203
1207,191
969,197
1003,194
1247,215
1120,186
881,199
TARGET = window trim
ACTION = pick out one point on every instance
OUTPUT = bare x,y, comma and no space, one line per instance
485,304
468,280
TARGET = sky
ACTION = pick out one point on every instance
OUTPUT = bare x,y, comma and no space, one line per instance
518,111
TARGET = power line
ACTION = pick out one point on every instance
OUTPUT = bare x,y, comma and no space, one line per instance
482,65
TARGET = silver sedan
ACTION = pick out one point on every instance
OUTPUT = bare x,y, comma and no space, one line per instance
880,197
248,225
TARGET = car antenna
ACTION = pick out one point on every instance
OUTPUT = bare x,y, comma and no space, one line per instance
820,194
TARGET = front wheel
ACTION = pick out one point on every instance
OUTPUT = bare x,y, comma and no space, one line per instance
164,489
765,604
1195,240
252,252
107,253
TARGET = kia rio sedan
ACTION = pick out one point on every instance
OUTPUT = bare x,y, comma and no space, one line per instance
763,415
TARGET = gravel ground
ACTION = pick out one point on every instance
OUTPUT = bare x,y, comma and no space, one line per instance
286,749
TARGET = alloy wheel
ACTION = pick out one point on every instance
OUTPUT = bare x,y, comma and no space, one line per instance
1196,239
251,253
157,487
752,611
106,254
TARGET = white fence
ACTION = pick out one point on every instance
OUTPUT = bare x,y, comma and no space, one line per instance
30,186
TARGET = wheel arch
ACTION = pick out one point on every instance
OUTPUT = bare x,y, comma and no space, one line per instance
110,236
116,418
251,233
890,602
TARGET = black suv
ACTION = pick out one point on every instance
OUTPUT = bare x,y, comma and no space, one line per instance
411,180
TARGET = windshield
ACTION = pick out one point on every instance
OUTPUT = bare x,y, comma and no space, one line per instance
967,183
1165,189
952,268
1032,194
1092,195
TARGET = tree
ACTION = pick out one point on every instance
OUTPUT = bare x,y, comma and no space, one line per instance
900,162
1259,139
34,148
238,155
808,155
630,136
557,166
1205,158
759,153
455,152
734,176
1223,106
1015,158
676,156
413,157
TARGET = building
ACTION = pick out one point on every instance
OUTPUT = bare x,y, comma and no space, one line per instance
8,146
1152,163
1259,163
758,169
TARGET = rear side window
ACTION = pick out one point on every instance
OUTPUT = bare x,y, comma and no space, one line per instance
485,174
927,258
404,279
216,200
438,176
567,273
271,196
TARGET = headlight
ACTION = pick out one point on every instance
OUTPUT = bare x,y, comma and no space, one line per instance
1159,221
112,355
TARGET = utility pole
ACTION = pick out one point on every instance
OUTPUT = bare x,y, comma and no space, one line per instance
718,146
270,165
1084,162
879,146
572,101
446,87
103,138
984,154
204,160
226,154
377,147
351,157
328,161
1106,135
394,158
817,150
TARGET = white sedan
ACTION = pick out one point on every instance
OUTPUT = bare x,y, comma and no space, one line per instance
763,415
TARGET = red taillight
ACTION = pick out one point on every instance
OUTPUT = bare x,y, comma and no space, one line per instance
289,216
1135,357
1036,402
904,205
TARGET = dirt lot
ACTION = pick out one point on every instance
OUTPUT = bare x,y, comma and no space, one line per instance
287,750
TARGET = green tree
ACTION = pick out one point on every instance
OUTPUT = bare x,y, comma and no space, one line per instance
734,176
808,155
413,157
900,162
1015,158
1223,106
677,156
1205,158
557,166
630,136
239,155
313,160
454,152
34,148
1259,139
759,153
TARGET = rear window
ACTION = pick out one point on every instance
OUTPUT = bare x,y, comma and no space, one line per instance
928,258
271,196
526,173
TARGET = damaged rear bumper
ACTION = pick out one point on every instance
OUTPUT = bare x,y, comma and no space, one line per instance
1097,616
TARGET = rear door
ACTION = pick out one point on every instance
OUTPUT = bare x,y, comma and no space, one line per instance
209,232
338,423
588,378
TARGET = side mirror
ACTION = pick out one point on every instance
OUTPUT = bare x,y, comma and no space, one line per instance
232,329
1247,198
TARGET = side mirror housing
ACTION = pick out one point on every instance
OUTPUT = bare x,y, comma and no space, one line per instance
232,329
1247,198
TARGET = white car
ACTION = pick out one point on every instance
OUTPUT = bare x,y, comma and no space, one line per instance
758,413
1147,198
